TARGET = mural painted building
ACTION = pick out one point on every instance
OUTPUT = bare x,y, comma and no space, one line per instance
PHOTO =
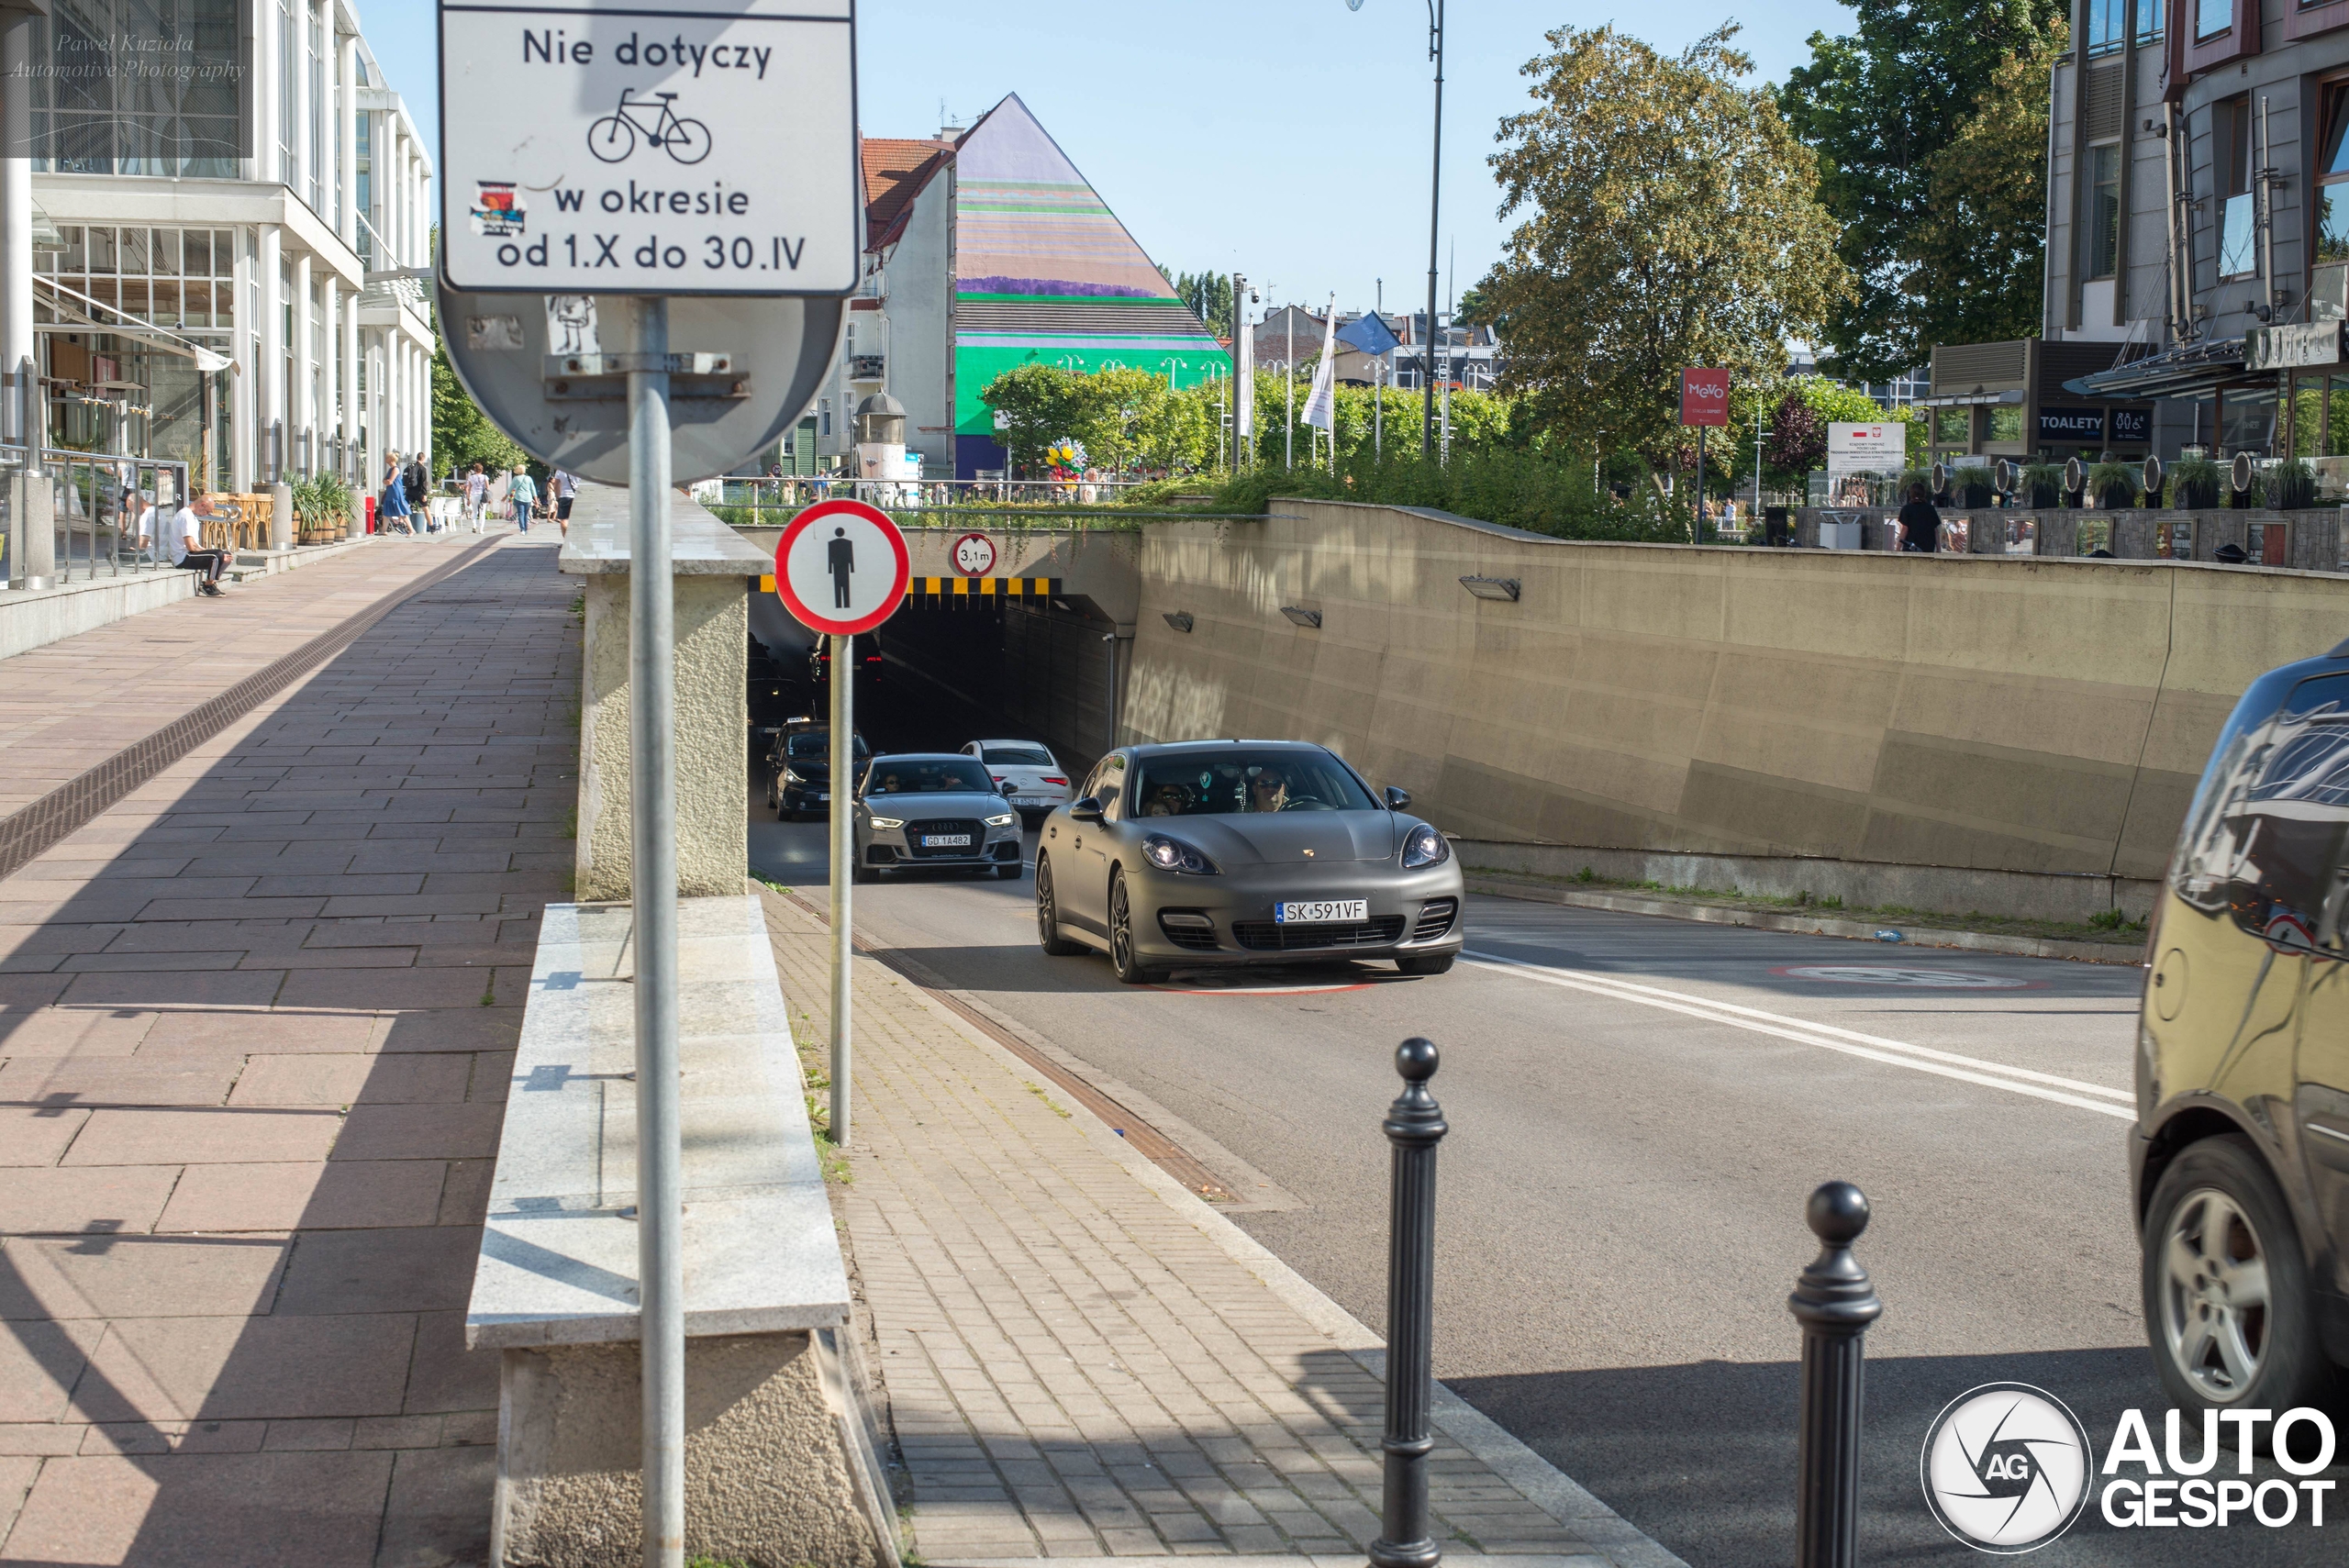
986,250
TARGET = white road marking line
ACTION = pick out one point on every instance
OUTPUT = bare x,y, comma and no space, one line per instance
1826,1037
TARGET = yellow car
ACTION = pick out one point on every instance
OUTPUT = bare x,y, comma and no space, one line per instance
2240,1158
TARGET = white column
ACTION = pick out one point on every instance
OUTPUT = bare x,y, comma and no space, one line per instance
239,385
298,174
396,190
265,79
330,373
346,219
323,118
299,405
424,216
17,338
351,425
268,259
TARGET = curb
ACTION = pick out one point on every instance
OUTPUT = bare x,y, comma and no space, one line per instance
1535,1478
1810,925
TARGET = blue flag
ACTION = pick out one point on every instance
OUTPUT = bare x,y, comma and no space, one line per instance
1370,334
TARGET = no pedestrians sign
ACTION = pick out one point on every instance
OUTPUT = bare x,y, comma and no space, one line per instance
649,147
842,568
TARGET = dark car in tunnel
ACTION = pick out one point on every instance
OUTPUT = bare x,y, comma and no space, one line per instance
1208,853
933,811
800,768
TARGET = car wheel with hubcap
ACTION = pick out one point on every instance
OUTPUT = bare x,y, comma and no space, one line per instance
1425,963
1048,916
2228,1305
1130,970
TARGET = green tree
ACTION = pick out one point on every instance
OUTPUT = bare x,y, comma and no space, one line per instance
1674,221
462,433
1044,403
1878,106
1978,246
1209,294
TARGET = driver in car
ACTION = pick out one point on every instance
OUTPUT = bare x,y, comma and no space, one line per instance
1268,791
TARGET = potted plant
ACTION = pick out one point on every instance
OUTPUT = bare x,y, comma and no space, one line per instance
2195,482
1973,486
2042,485
2291,487
2114,485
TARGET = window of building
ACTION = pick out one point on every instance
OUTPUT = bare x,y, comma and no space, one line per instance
2212,18
321,110
2332,177
178,279
289,63
2231,153
2104,210
2149,20
2006,423
365,199
101,106
2108,29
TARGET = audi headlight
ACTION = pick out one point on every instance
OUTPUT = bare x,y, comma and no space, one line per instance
1173,854
1006,820
888,821
1423,845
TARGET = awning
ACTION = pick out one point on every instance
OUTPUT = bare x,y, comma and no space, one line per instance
2185,371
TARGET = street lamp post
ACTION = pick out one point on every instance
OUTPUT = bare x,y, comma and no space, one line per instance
1435,213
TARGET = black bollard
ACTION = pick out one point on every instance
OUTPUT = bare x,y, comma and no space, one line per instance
1835,1303
1414,1126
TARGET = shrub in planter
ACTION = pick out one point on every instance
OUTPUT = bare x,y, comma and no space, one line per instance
2292,486
2196,482
2114,485
1973,488
2042,483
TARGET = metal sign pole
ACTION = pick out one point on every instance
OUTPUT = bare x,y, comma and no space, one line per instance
843,824
660,1255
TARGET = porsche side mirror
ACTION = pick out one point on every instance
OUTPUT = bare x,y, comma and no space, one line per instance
1397,799
1086,810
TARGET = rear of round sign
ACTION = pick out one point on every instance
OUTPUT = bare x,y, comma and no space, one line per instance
541,366
842,568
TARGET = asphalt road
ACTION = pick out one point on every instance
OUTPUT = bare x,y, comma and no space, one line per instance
1639,1107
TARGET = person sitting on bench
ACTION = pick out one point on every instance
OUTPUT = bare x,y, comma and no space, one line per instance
187,554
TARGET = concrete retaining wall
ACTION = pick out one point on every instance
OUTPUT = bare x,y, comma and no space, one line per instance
1977,713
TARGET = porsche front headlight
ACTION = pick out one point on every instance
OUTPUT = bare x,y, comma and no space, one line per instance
1423,845
1173,854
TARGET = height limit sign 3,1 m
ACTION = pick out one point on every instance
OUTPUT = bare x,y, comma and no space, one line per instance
650,146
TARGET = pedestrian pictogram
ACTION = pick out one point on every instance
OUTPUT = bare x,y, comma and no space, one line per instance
842,568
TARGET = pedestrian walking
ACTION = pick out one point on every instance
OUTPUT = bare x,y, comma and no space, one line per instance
393,510
561,488
417,482
525,491
476,497
1921,526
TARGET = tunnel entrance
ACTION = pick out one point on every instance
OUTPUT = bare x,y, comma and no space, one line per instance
952,669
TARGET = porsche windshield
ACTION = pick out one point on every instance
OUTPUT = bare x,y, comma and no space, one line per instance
1233,781
900,775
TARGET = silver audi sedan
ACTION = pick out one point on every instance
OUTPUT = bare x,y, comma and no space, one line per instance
933,810
1205,852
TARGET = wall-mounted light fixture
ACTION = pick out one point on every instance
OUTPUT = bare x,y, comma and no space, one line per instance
1303,617
1179,619
1493,588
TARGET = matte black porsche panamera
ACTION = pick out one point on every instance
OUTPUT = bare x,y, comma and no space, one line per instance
1195,853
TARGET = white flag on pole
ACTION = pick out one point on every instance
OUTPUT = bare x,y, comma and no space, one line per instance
1321,403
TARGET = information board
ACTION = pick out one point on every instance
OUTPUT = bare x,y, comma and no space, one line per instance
649,147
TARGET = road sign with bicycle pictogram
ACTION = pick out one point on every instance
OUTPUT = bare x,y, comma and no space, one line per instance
649,147
653,121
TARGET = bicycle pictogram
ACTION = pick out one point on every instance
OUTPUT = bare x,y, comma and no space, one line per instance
613,137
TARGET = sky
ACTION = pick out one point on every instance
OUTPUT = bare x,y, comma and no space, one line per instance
1285,138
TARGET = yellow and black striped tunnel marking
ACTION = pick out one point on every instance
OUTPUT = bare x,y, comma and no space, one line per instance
964,587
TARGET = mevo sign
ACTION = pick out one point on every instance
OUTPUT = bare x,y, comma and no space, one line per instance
1704,396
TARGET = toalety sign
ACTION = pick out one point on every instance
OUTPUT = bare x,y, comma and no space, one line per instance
670,147
2008,1468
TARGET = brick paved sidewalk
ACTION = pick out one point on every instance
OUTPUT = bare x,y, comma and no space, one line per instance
255,1023
1080,1360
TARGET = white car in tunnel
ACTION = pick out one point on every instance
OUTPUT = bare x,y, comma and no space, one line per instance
1027,772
